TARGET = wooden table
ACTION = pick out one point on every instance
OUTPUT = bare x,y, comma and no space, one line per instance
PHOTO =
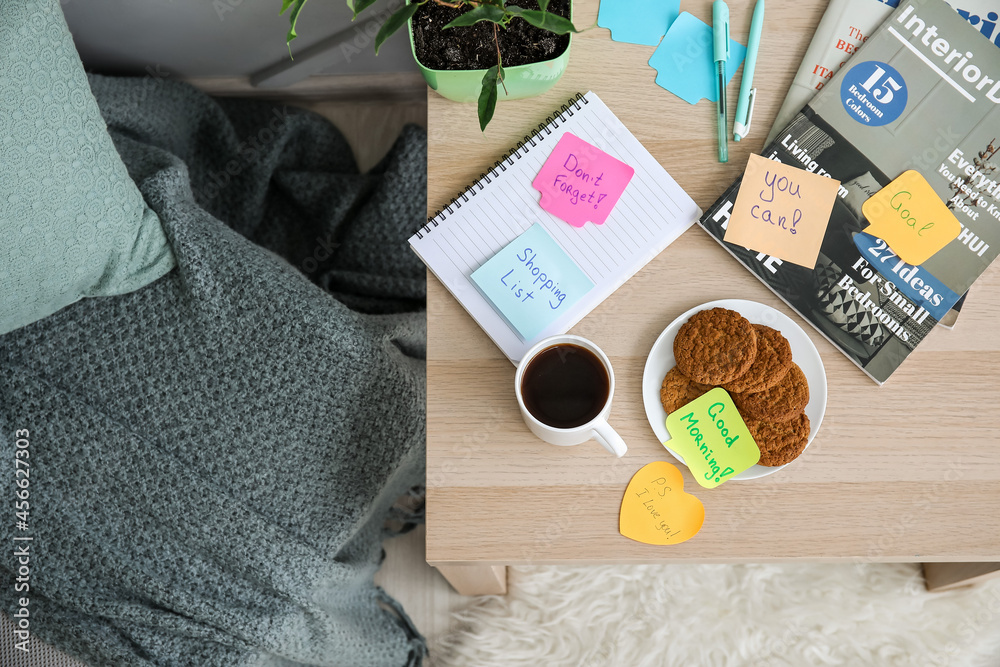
909,472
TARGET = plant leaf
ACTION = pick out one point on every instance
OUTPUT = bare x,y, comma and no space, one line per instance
358,6
477,14
545,20
488,96
543,5
293,18
394,23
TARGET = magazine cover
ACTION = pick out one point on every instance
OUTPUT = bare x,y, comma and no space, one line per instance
845,26
923,93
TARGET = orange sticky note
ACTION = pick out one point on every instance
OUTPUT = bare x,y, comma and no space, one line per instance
782,211
656,510
909,216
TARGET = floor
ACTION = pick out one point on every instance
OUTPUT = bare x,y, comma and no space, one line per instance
370,110
425,595
370,126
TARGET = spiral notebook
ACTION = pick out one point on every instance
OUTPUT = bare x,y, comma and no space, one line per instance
485,217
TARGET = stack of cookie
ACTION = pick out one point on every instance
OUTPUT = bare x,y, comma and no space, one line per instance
721,348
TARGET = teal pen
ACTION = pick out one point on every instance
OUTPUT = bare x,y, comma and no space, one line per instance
748,94
720,31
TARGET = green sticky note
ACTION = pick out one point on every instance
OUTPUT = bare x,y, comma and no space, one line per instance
712,438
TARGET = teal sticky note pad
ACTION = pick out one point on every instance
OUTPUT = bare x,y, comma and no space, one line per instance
532,282
683,61
638,21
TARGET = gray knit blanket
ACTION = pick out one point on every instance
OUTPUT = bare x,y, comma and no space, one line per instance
213,457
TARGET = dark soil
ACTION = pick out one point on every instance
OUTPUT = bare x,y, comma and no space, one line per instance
473,47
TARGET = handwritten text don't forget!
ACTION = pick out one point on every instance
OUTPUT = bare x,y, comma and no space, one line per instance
572,176
580,182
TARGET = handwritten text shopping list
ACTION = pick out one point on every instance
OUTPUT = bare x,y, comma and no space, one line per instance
532,282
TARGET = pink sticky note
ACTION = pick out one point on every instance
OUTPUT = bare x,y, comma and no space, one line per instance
580,182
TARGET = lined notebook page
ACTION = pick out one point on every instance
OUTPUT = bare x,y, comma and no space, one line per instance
652,212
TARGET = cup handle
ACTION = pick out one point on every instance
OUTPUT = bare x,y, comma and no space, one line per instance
609,438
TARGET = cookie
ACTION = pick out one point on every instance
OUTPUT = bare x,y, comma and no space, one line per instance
702,387
774,358
774,436
779,442
715,346
677,390
782,402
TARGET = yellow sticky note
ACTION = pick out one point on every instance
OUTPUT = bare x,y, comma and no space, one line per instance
710,435
782,211
909,216
655,509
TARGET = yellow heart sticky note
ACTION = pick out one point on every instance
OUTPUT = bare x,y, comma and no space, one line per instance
655,509
909,216
710,435
782,211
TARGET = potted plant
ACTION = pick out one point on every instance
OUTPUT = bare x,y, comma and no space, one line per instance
479,50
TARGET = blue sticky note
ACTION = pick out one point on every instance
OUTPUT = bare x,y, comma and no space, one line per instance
532,282
638,21
683,61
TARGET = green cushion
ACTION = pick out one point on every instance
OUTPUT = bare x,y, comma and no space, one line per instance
72,222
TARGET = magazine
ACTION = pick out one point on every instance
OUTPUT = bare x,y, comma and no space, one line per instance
922,93
845,26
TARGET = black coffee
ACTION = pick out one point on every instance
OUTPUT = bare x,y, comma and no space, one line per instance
565,386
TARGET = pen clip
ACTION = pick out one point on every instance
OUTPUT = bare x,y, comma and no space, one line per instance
720,31
741,128
753,98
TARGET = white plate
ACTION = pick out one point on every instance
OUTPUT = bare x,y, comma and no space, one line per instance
804,353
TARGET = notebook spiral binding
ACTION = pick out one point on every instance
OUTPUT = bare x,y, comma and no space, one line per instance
523,146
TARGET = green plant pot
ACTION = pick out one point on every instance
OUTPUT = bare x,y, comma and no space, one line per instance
521,81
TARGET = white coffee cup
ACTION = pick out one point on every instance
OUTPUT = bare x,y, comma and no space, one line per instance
597,428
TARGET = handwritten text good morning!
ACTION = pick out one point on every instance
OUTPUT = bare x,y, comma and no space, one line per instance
712,438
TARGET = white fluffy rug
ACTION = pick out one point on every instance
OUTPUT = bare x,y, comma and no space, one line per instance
725,616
